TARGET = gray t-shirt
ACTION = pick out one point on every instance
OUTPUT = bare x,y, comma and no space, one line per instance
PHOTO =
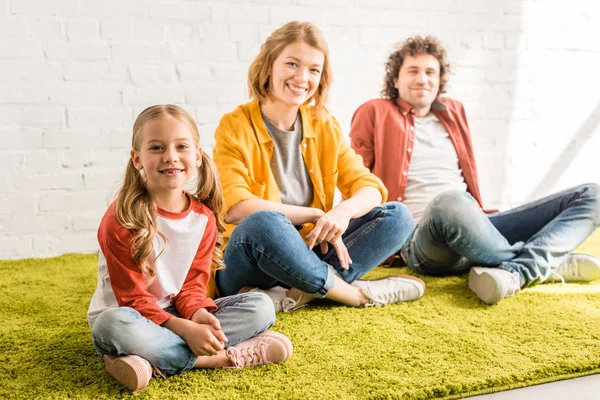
287,164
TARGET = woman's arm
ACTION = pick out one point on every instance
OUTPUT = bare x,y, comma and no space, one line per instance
331,226
296,214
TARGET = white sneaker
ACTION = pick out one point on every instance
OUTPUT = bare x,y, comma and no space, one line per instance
577,268
391,289
278,294
493,284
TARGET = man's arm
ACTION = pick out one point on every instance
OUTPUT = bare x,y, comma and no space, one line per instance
362,134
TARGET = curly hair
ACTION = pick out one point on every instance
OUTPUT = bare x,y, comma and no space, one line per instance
292,32
412,47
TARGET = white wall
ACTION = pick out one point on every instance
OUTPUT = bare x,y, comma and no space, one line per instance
75,73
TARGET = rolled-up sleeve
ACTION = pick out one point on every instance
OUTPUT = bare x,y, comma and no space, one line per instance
352,173
232,163
361,134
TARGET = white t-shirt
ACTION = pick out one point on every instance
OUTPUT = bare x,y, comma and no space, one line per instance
433,167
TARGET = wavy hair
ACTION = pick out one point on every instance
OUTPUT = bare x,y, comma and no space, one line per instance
292,32
136,211
412,47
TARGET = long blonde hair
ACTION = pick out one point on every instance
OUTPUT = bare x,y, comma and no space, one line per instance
292,32
136,211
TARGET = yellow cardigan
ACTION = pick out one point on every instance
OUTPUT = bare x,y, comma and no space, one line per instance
243,153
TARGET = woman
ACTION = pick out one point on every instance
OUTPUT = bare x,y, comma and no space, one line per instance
280,158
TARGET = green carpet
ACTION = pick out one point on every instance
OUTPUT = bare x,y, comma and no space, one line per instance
446,345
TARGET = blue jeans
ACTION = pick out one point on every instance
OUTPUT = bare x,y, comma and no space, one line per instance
266,250
532,240
123,331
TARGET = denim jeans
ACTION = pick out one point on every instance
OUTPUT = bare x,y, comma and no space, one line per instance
266,250
532,240
123,331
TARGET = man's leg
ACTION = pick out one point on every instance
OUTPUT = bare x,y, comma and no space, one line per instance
551,228
453,234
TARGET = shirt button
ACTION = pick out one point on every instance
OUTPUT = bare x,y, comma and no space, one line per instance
409,150
304,145
412,128
311,171
399,199
404,173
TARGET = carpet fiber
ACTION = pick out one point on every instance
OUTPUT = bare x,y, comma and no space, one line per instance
446,345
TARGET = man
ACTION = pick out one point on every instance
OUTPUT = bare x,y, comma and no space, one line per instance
420,146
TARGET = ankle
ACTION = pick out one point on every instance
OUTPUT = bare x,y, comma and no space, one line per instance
362,299
219,360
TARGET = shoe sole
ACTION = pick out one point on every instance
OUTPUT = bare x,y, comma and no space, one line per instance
128,371
481,283
281,338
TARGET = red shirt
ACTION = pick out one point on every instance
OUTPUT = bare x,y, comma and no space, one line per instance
182,270
383,133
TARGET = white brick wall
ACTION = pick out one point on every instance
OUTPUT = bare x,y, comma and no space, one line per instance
75,73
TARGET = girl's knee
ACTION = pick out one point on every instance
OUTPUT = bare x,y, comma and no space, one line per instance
262,311
113,319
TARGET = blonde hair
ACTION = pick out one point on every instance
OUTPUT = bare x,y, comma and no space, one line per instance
136,211
292,32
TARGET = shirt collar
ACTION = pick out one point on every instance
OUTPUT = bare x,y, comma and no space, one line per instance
406,108
261,130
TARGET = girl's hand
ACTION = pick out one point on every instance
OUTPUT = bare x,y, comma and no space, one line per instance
204,340
329,228
202,316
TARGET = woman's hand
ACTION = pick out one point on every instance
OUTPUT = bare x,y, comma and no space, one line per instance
329,228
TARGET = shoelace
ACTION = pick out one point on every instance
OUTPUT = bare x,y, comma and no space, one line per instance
287,304
571,269
557,276
393,296
516,285
254,355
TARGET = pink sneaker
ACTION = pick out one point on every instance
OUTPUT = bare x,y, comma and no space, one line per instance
267,347
133,372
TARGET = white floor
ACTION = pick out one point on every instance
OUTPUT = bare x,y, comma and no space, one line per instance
585,388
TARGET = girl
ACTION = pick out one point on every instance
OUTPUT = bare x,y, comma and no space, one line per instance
158,243
280,158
